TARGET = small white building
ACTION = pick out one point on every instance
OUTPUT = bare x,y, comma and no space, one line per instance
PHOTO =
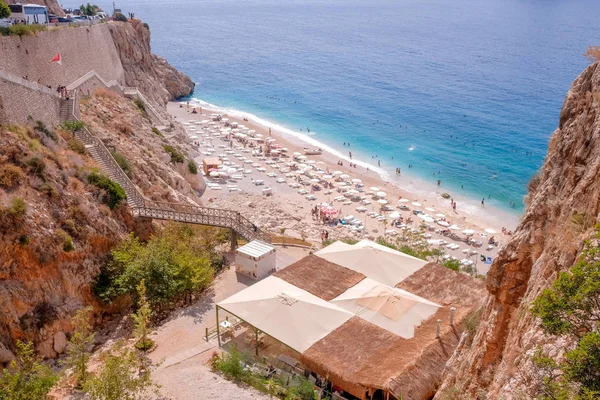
255,259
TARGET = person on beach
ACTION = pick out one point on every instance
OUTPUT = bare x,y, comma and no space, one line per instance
439,182
483,202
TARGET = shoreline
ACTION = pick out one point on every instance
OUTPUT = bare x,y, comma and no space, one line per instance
407,186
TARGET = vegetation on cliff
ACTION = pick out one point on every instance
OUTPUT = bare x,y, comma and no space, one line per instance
571,308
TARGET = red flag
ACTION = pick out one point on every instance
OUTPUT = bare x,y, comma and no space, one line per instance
56,59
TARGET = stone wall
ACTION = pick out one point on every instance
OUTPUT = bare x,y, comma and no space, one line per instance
21,99
82,49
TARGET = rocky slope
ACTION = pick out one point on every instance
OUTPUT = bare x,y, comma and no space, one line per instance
51,253
148,72
563,207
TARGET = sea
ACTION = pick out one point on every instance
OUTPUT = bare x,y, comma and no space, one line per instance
467,92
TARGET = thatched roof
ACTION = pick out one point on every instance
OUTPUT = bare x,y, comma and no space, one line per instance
359,355
320,277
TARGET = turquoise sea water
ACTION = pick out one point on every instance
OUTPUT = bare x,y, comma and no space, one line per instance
473,87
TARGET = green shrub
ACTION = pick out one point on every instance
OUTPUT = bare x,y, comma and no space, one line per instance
22,30
120,17
73,126
454,265
76,146
472,321
18,208
114,192
49,190
123,162
67,243
23,240
26,378
37,166
140,105
231,365
41,127
192,167
156,131
176,155
11,176
4,10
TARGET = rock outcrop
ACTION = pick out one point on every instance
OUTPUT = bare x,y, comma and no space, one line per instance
563,206
148,72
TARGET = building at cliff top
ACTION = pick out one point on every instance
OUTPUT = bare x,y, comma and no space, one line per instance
382,326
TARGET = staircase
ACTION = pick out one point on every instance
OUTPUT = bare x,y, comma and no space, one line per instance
142,207
66,109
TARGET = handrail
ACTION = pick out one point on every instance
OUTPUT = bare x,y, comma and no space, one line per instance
28,84
141,207
150,107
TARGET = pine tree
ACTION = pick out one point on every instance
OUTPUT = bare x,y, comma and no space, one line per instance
80,345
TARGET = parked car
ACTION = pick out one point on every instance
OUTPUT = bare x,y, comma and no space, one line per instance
63,19
5,22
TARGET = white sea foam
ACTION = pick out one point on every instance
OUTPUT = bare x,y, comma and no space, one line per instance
304,137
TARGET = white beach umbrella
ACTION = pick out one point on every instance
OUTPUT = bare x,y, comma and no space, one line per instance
416,204
296,154
381,194
353,191
311,162
327,176
468,232
443,223
302,157
315,180
425,218
454,227
320,172
382,202
374,189
490,231
395,214
344,176
403,201
337,173
214,174
430,209
356,180
440,215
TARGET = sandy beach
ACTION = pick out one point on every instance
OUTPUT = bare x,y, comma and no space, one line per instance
288,209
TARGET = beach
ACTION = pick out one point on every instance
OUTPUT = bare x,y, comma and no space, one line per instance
288,209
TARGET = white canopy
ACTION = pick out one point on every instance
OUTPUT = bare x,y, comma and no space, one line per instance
373,260
256,249
395,310
286,312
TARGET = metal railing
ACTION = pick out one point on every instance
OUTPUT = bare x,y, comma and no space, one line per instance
141,207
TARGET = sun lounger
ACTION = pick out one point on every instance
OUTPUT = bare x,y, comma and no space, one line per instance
247,171
215,187
236,176
261,169
302,191
259,182
361,209
311,197
267,191
271,174
280,180
340,198
366,202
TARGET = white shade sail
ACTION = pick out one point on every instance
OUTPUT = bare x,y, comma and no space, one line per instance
286,312
395,310
375,261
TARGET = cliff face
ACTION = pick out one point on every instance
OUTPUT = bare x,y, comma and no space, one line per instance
51,254
564,202
149,72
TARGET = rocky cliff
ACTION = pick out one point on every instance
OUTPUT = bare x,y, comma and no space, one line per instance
149,72
55,229
563,206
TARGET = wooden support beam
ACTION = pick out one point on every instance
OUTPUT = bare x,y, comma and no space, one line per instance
234,240
218,333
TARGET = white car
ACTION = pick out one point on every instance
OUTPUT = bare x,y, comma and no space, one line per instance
5,22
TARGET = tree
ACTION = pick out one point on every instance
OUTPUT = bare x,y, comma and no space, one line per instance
120,377
80,345
89,9
4,10
142,319
571,308
26,379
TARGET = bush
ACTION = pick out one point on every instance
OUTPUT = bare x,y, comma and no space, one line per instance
4,10
41,127
23,240
176,155
120,17
140,105
73,126
123,162
454,265
172,265
67,240
18,208
76,146
49,190
37,166
231,365
11,176
156,131
114,192
22,30
192,167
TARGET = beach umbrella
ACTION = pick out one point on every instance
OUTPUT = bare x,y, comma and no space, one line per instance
311,162
381,194
296,153
403,201
337,173
395,214
425,218
328,210
490,231
327,176
356,180
416,204
468,232
315,180
382,202
320,172
374,189
352,192
302,157
344,176
430,209
214,174
443,223
455,227
270,140
440,215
